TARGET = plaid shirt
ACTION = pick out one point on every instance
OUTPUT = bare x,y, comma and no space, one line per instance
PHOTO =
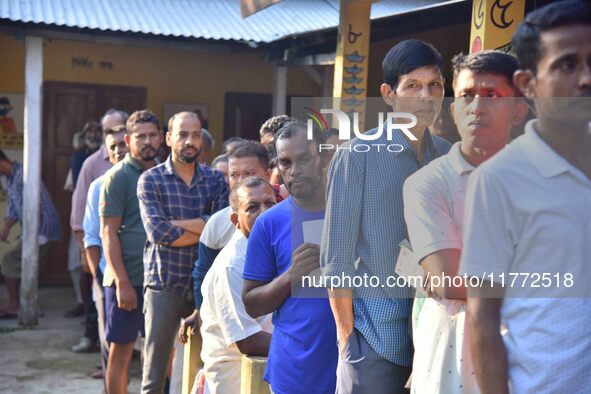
363,226
49,222
164,196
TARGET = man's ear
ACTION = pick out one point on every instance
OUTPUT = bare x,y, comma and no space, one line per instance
525,82
387,93
234,219
168,138
269,173
127,139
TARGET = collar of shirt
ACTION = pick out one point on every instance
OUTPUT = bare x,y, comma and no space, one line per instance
169,170
241,242
543,157
457,161
133,162
427,143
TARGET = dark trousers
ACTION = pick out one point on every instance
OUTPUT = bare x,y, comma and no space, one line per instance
361,370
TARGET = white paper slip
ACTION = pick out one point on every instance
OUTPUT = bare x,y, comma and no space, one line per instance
408,266
313,231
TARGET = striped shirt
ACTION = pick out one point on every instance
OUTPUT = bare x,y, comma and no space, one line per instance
49,222
164,196
363,227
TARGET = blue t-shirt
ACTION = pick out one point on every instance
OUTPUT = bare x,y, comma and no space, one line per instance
303,354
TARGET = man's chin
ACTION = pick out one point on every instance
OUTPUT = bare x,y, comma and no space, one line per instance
188,159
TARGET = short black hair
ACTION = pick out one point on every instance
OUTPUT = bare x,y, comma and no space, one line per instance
250,149
526,40
250,182
141,116
208,139
273,124
288,130
3,156
494,62
223,158
183,113
406,56
230,141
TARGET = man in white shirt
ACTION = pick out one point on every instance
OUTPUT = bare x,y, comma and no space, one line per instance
528,211
246,159
484,110
227,330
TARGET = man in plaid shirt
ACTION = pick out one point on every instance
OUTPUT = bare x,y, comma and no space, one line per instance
176,198
49,230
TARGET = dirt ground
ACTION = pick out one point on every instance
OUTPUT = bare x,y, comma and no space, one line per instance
39,360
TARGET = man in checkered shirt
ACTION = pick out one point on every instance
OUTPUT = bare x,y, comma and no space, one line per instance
176,198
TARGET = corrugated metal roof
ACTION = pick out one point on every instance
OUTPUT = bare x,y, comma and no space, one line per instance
217,20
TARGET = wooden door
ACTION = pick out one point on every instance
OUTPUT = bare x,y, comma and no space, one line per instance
244,114
66,108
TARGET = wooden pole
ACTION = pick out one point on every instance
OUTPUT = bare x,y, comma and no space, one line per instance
191,361
350,69
32,180
251,379
493,24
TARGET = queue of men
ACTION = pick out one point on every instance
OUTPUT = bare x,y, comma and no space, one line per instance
179,247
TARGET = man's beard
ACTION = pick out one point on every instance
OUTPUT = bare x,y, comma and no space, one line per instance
308,186
148,153
188,159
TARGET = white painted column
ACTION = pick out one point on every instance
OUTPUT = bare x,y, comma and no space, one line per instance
279,90
31,179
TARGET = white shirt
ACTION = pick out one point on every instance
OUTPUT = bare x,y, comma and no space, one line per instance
529,210
434,212
434,203
218,230
224,318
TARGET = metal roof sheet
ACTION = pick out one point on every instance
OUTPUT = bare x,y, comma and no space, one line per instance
207,19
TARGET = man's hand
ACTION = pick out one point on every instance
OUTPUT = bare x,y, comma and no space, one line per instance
84,263
192,322
126,296
4,233
306,258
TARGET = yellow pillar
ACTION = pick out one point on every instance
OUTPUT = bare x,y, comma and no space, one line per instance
494,22
251,379
350,69
191,361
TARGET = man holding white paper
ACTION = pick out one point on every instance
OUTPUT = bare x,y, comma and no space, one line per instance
303,352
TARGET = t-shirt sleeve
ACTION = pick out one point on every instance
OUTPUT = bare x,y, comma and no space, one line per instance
91,222
260,262
233,320
489,232
113,190
427,214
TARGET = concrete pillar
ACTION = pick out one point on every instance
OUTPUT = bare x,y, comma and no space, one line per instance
251,379
32,180
279,90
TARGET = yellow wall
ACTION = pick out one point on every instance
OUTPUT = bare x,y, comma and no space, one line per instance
168,74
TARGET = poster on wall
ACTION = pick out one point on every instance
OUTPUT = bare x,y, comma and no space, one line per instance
12,114
11,121
174,108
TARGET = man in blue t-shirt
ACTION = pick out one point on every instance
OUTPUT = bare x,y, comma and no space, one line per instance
303,352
